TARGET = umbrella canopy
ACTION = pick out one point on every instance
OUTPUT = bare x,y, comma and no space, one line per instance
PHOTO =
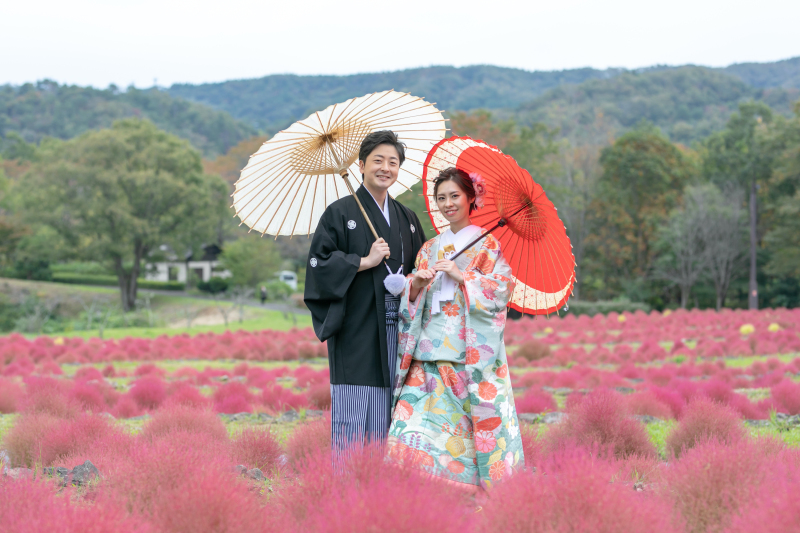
295,175
533,238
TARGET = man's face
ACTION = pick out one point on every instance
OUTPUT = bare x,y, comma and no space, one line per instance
381,167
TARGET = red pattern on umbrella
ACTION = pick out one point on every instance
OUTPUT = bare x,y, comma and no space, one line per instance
534,239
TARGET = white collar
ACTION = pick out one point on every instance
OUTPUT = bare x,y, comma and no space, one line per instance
385,208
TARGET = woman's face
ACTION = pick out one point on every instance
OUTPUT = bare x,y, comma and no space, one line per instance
452,202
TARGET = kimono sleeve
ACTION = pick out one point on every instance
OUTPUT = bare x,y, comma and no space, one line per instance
488,285
330,269
410,322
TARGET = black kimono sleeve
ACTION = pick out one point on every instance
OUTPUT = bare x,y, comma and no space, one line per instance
329,273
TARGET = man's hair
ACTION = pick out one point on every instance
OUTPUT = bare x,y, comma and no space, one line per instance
375,139
461,179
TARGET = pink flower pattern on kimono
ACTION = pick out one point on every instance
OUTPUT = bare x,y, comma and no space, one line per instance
468,335
485,441
460,386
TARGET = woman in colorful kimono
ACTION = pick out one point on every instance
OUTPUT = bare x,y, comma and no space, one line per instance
453,409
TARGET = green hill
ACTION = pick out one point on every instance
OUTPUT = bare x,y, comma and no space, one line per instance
273,102
784,73
65,111
687,103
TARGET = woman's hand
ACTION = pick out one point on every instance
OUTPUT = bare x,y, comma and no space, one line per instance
449,268
418,282
421,279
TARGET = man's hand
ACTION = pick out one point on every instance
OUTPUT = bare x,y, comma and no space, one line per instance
449,268
377,252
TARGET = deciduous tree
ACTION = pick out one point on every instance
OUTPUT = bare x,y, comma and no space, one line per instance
116,194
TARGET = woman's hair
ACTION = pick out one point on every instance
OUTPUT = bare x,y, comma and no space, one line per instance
461,179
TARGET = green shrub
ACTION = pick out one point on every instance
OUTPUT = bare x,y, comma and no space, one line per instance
82,268
277,290
578,307
215,285
111,281
32,269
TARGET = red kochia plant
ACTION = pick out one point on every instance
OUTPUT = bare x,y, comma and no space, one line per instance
774,509
535,401
148,392
75,436
211,499
309,438
786,394
24,440
577,494
87,373
233,398
187,420
156,468
713,481
369,495
256,448
126,407
10,396
319,395
34,507
184,393
601,419
705,420
48,395
280,398
646,403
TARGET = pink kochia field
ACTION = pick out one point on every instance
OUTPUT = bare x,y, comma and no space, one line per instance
137,434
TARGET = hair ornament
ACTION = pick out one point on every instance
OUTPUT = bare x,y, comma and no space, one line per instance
479,184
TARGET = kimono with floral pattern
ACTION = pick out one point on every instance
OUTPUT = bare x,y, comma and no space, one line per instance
453,411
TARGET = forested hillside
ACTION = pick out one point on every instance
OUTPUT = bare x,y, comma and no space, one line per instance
784,73
687,103
65,111
273,102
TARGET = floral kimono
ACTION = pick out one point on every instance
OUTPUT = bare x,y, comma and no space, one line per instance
453,409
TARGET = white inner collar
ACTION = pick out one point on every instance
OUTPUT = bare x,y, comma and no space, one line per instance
385,208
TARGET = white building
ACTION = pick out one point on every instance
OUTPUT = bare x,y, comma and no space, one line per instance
289,278
173,269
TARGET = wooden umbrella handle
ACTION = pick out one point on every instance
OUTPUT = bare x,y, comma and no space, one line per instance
344,175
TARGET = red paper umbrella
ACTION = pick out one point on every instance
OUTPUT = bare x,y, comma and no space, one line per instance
516,210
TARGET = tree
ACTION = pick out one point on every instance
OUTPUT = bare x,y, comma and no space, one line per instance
741,154
253,259
783,237
684,260
723,230
573,187
643,177
116,194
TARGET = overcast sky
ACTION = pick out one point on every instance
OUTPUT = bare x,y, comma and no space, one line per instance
95,42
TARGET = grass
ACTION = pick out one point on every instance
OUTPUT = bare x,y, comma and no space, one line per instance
658,432
170,366
267,320
169,311
6,421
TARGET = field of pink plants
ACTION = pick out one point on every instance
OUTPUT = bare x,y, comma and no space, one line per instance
145,414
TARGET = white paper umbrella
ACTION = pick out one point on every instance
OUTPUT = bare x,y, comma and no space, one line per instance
296,174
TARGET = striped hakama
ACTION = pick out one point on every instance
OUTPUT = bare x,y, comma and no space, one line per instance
361,413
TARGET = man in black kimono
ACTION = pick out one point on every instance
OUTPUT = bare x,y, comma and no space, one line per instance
350,307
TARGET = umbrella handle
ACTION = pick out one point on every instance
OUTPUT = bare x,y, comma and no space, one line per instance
344,175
